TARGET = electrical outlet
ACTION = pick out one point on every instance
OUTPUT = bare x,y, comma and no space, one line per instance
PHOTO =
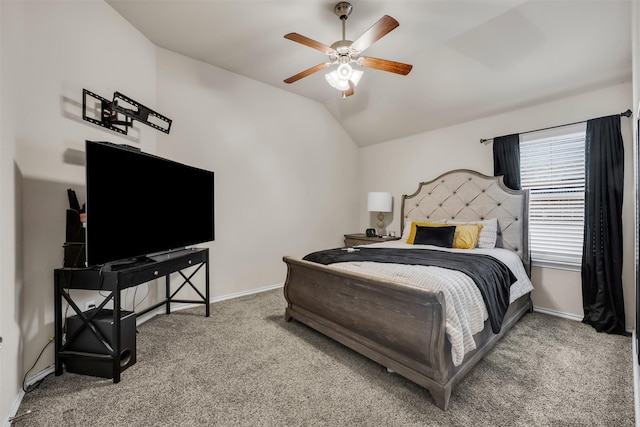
89,305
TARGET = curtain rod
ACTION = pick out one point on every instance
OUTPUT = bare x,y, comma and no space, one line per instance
626,114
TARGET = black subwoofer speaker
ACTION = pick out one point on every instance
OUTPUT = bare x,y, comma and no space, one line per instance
87,342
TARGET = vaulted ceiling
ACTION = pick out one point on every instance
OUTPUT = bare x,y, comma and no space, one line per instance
471,59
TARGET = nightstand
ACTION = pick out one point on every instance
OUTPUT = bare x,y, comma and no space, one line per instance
362,239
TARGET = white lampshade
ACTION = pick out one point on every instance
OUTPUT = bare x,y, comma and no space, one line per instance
340,77
335,81
379,202
356,75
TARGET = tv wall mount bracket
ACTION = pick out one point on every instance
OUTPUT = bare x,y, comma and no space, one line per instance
118,115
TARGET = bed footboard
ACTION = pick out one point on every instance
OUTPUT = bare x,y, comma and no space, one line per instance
399,327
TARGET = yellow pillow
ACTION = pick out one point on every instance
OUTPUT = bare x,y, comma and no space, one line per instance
465,237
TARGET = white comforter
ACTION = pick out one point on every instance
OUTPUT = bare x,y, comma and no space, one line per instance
465,309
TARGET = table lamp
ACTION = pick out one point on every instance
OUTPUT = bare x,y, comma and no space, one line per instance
379,202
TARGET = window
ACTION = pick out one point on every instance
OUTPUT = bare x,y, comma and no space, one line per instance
552,167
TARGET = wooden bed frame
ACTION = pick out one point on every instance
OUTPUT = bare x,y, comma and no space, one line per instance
401,327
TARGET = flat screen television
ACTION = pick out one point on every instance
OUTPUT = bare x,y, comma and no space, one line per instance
138,204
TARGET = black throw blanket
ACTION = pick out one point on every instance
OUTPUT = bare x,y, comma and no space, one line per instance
491,275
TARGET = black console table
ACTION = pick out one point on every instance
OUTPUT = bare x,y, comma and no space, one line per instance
113,279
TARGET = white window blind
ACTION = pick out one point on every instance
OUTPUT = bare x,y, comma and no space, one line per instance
552,167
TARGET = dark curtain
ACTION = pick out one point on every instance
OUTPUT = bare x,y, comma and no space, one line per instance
602,297
506,159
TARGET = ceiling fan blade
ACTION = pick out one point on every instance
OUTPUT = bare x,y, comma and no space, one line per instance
375,33
308,42
306,73
385,65
348,92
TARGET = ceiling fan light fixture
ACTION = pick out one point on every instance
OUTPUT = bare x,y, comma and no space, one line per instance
339,78
335,81
344,72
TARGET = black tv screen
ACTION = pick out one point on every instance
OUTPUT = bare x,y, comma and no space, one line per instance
139,204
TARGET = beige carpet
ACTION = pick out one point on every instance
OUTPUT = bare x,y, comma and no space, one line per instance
246,366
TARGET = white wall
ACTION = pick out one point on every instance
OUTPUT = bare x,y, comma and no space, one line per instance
398,166
10,348
286,175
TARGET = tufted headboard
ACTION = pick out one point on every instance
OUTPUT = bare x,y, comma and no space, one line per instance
466,195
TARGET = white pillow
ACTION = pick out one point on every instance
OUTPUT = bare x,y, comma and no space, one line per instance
406,231
488,234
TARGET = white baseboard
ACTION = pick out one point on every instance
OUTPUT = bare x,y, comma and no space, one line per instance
28,382
14,408
178,307
139,320
569,316
557,313
39,376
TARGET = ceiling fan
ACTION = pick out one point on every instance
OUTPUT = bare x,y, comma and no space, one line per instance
345,52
